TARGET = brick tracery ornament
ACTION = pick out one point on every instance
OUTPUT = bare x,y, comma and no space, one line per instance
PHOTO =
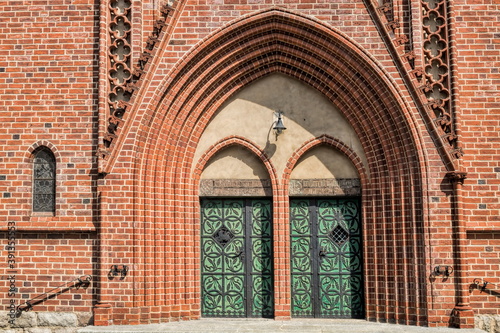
119,60
387,8
437,85
433,79
124,80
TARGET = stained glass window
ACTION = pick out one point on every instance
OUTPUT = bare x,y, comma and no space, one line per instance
44,181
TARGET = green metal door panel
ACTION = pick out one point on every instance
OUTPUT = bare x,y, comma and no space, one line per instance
212,217
332,252
260,267
354,301
233,215
261,256
236,244
232,240
330,295
234,298
232,257
302,299
300,225
261,237
353,296
350,257
212,297
301,221
212,260
262,301
301,260
261,218
222,240
328,261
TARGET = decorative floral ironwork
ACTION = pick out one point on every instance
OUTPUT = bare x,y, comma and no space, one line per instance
235,284
326,261
223,236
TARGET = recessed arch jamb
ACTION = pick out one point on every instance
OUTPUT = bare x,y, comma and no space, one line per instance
179,113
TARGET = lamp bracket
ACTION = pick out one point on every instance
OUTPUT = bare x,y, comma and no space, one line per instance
116,270
442,270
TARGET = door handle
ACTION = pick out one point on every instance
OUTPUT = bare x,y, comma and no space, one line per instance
241,254
322,253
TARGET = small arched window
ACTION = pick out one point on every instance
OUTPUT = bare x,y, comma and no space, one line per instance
44,181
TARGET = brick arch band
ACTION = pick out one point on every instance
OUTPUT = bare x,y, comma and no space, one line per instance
232,141
327,141
42,143
167,213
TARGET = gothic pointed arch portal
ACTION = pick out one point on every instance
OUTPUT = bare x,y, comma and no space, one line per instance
168,172
236,232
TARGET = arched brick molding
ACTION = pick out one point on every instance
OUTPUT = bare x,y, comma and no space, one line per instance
329,141
230,141
168,133
28,157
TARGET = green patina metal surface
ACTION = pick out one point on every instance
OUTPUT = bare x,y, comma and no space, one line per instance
326,258
236,244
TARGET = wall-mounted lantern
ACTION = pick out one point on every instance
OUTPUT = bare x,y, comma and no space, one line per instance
279,127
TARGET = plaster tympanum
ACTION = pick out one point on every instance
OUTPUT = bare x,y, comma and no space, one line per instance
235,163
250,114
324,162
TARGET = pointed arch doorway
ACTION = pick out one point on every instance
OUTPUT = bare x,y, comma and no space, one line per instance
372,117
326,252
236,235
234,181
236,258
326,258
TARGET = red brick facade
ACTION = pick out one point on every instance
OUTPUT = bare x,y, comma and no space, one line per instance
124,121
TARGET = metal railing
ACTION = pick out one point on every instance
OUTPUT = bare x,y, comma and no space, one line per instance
76,283
485,286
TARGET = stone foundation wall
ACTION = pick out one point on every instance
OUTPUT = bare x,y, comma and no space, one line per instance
45,322
488,323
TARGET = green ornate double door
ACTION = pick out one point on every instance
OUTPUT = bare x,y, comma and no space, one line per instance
326,258
236,258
